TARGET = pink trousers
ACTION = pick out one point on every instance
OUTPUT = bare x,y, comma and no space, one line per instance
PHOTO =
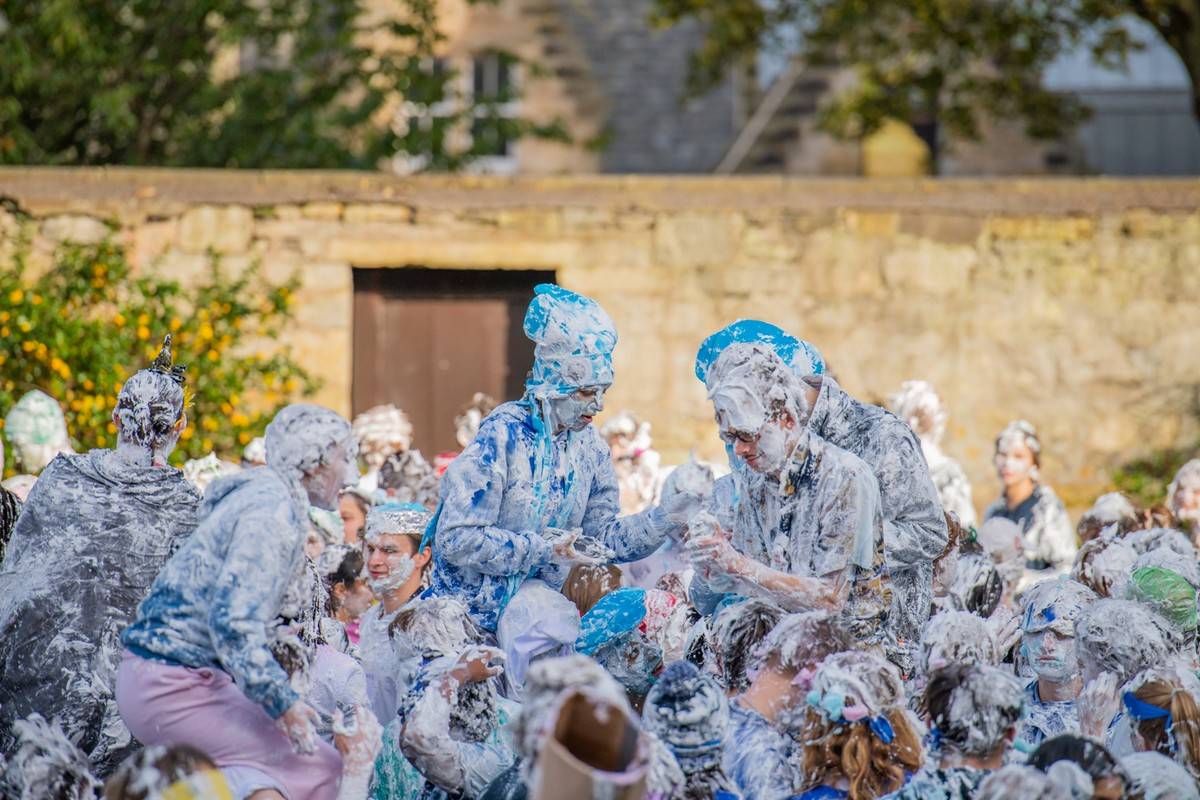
165,704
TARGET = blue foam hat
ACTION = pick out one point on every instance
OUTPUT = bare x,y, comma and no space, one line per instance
801,357
573,340
615,615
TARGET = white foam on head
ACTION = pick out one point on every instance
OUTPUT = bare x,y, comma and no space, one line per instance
794,641
982,709
1122,637
1109,509
1018,780
957,637
437,626
302,437
1183,493
381,431
690,478
862,678
1156,777
547,681
1169,559
918,404
46,765
749,385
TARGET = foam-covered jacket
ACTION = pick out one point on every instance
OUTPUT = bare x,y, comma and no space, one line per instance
215,601
508,486
914,529
820,516
759,757
1046,528
93,534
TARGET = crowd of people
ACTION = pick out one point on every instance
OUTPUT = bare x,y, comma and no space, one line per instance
552,613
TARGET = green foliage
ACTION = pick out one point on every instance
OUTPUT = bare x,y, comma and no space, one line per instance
1145,480
943,61
80,329
227,83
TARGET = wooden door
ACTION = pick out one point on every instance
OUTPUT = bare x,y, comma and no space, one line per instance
427,340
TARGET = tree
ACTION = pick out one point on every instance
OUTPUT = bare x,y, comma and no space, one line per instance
80,329
950,62
229,83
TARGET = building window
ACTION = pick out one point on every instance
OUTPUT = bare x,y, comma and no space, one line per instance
493,90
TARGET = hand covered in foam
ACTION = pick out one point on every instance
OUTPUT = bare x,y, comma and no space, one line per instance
572,547
685,492
709,550
1098,703
477,665
299,723
1006,629
358,742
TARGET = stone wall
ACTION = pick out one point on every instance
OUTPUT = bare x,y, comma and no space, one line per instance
1072,303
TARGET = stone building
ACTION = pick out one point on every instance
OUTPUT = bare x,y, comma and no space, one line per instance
1072,303
600,69
618,86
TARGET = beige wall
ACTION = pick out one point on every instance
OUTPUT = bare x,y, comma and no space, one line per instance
1072,303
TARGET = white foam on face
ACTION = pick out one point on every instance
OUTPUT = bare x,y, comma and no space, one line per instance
301,439
751,390
1017,433
400,569
919,405
1183,495
957,637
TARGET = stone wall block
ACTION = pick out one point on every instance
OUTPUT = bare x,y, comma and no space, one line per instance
377,212
225,229
77,228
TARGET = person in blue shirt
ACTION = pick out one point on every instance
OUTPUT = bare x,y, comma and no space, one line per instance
535,492
198,667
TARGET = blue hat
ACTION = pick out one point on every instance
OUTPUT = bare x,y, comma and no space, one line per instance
802,357
573,341
616,615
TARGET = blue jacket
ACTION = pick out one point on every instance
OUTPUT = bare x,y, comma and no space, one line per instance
214,602
510,484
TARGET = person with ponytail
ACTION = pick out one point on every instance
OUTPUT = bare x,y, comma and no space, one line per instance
95,530
1162,707
855,738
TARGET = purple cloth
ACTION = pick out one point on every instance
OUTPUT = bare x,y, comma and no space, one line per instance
166,704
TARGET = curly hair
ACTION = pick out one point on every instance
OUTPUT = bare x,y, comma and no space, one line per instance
835,750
